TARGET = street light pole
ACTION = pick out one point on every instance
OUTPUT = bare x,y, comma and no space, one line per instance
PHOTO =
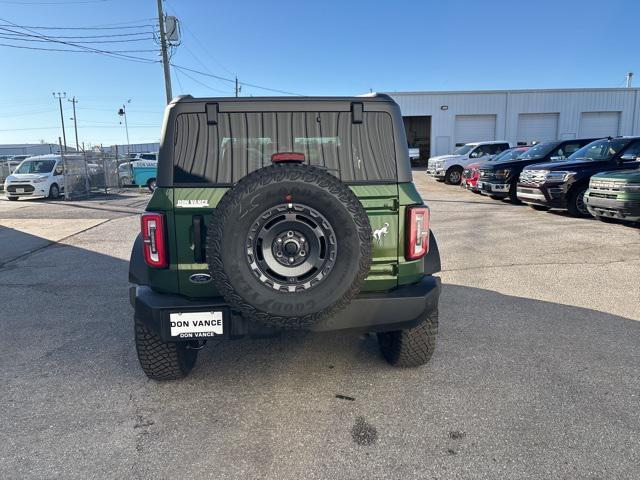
60,97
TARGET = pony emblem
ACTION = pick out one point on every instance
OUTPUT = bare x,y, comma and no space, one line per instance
379,234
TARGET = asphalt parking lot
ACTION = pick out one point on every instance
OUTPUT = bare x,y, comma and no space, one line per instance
536,374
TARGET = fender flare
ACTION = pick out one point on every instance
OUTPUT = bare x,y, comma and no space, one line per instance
432,258
138,270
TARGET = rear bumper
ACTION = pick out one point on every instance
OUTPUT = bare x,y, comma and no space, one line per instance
613,208
403,307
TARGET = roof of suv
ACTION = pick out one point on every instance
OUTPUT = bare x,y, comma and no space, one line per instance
488,142
378,97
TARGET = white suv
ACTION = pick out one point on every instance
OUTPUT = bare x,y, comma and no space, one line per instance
39,176
448,168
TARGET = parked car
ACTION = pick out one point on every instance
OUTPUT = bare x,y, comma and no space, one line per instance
414,155
500,179
614,195
139,172
562,185
282,229
449,168
132,157
471,174
39,176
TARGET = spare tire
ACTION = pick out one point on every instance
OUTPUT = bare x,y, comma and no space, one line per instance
289,245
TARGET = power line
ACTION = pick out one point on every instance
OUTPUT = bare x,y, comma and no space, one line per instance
199,82
84,37
75,41
69,2
275,90
95,50
115,52
78,28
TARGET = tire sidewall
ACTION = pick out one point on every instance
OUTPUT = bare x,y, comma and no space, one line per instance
576,195
54,191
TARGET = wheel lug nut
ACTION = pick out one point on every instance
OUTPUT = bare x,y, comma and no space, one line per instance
278,254
290,259
302,240
289,233
279,240
302,254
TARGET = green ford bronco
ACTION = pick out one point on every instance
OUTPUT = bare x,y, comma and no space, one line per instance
614,195
283,213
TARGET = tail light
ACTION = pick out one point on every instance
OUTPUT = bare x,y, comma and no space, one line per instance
154,243
287,157
417,232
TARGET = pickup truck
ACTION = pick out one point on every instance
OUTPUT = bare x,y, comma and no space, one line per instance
449,168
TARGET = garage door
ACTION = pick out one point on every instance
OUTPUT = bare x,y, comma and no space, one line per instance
599,124
474,128
537,127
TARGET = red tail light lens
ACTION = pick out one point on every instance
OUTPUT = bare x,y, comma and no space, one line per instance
287,157
417,232
154,242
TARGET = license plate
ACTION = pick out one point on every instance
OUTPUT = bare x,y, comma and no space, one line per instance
196,324
479,185
19,190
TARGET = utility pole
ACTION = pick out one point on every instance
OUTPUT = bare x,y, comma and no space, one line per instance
629,78
237,87
165,56
75,121
60,96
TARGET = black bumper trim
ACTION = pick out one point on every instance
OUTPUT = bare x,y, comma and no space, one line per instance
401,308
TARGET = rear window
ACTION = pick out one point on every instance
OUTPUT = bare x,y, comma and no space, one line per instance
240,143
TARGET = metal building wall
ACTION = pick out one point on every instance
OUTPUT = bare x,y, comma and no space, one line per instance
507,105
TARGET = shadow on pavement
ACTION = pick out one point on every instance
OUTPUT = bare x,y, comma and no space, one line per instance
517,388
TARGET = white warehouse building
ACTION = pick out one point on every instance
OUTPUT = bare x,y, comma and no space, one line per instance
437,122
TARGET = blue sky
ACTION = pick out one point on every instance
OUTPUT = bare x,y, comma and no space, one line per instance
329,47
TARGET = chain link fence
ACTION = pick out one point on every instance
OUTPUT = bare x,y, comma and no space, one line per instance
90,172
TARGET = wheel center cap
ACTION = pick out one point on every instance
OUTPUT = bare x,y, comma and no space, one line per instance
291,248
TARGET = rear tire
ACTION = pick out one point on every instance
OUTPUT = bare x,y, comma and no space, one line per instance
541,208
411,347
54,192
575,202
453,176
513,194
160,360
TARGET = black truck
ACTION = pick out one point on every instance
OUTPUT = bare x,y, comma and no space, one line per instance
563,185
499,179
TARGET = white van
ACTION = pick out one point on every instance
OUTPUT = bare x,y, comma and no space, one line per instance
39,176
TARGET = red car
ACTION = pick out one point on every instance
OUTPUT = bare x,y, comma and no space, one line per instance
470,174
